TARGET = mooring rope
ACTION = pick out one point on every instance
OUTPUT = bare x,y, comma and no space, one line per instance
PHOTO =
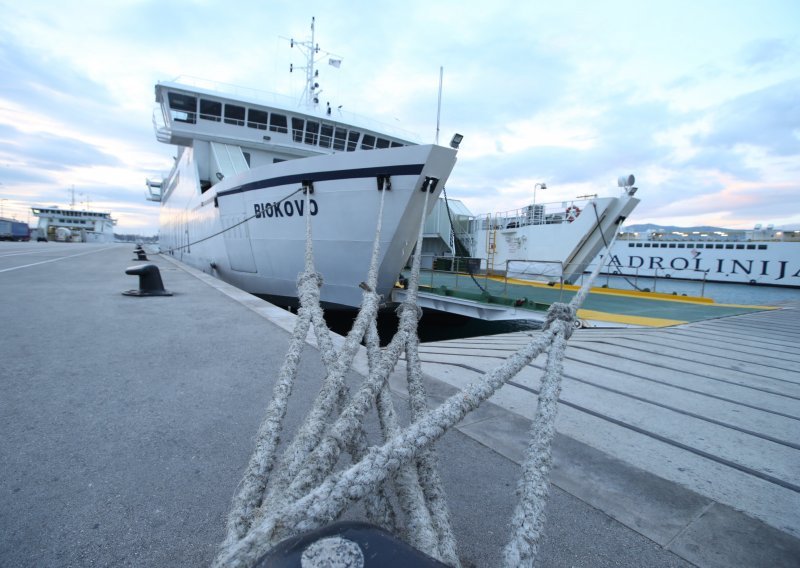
305,492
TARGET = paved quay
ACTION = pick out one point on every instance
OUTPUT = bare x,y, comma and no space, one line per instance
127,423
688,434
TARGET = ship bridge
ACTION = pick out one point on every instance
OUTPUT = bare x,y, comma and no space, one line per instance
205,111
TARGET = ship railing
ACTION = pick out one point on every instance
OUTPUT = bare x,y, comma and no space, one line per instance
535,214
453,275
447,274
653,280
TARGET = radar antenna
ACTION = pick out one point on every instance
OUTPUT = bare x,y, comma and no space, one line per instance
311,51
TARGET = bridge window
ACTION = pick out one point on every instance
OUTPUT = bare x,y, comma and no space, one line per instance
326,135
257,119
728,246
751,247
339,138
396,145
234,114
352,140
210,110
718,246
367,142
382,143
739,247
297,129
277,123
762,247
312,132
184,107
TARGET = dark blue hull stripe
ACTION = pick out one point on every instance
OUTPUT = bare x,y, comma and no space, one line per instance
401,170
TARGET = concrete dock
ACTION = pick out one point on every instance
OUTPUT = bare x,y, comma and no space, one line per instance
127,423
689,434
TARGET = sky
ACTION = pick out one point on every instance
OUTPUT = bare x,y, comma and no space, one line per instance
699,99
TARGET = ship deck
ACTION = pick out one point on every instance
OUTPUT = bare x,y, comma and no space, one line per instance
498,298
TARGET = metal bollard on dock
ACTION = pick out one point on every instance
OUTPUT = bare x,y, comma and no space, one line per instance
150,283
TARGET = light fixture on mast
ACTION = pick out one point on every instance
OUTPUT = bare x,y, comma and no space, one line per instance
542,185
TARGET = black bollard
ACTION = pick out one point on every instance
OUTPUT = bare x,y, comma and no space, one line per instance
376,547
140,255
149,281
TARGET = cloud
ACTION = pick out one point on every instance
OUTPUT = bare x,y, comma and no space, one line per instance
764,54
43,151
48,85
769,118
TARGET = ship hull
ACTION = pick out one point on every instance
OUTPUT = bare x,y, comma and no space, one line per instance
764,263
250,229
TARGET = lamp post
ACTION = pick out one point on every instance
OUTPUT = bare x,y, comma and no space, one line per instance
542,185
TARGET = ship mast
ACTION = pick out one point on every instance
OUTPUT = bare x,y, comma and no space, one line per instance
310,49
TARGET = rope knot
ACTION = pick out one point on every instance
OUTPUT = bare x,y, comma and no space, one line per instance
565,313
408,306
309,276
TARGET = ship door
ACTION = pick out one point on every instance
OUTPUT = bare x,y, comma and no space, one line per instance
237,243
237,234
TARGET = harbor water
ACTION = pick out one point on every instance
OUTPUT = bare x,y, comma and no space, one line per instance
433,326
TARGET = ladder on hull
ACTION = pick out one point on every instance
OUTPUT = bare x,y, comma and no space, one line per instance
491,244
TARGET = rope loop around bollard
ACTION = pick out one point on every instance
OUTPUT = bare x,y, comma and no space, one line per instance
561,312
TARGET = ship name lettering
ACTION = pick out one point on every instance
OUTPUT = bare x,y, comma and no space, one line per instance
679,258
638,258
746,270
729,266
284,208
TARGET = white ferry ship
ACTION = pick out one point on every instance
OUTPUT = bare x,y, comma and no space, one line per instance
762,255
73,225
234,204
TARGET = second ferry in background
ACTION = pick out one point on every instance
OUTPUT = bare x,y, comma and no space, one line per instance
762,255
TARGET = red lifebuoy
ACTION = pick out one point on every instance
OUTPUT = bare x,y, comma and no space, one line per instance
572,213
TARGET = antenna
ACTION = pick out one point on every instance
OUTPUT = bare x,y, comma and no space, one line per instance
311,49
439,106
